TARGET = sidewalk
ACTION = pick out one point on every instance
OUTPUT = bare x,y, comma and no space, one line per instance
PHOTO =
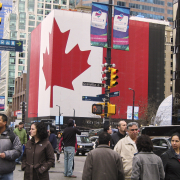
57,172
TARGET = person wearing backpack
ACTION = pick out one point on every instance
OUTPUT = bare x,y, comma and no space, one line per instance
10,149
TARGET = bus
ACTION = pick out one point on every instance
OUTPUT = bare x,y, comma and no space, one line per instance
159,131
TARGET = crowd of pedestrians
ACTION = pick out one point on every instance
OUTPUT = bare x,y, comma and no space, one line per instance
119,156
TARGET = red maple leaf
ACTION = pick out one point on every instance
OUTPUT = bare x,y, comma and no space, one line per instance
61,69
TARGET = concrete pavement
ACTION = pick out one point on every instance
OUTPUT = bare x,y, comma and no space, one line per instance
57,172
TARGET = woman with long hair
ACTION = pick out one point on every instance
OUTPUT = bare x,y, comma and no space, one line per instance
38,156
146,165
171,159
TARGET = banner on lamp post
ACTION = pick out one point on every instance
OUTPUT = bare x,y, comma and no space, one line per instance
99,24
136,112
121,28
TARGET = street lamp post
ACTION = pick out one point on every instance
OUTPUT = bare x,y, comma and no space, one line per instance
59,116
74,112
133,102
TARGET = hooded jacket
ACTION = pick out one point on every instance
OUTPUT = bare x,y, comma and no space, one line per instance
11,146
37,160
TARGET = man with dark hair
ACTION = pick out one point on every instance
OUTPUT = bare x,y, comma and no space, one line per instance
102,162
21,133
122,127
69,139
108,129
10,149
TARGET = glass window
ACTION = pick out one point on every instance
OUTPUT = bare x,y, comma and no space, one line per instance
11,67
24,48
30,29
12,24
56,1
39,18
170,19
48,1
31,23
38,23
22,35
11,74
47,12
22,6
170,11
21,54
31,5
40,11
13,35
9,100
170,4
31,16
11,60
22,21
10,94
48,6
64,2
40,5
12,54
11,87
120,3
20,68
41,0
21,61
19,73
11,81
55,6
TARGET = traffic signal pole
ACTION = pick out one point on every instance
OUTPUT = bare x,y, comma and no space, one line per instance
108,61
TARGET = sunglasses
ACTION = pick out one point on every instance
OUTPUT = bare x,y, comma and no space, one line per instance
134,129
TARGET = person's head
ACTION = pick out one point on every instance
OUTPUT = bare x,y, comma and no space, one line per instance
21,125
16,126
3,120
104,138
132,129
39,130
59,135
175,141
122,126
108,129
52,130
70,123
144,143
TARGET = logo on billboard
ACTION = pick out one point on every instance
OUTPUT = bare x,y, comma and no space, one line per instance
98,14
120,17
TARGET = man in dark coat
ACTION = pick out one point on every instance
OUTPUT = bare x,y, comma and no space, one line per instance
122,127
69,139
103,163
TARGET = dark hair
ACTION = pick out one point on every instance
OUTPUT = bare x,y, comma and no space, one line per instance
52,130
104,138
106,128
144,143
175,134
58,133
41,130
4,117
21,123
70,122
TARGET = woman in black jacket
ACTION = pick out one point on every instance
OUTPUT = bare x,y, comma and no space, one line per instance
171,159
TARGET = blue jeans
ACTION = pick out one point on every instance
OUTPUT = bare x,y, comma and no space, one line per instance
68,160
6,176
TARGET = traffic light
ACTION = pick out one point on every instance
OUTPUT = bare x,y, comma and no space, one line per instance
97,108
111,109
0,10
113,77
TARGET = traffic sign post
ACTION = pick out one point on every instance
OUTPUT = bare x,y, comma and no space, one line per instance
93,84
11,45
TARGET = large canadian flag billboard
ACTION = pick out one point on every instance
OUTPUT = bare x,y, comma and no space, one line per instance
61,58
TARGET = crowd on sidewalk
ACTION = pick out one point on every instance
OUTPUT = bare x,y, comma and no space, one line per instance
121,156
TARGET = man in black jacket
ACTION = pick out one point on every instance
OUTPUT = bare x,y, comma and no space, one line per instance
69,139
122,127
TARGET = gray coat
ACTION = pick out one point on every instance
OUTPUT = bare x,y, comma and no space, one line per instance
11,146
103,163
146,166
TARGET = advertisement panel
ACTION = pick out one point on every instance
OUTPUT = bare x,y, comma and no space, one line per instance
99,24
129,112
2,103
121,28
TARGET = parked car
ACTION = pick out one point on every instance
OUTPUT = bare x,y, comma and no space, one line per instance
161,145
84,145
93,140
95,132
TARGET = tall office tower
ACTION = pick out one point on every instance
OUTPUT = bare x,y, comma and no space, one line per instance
25,16
176,63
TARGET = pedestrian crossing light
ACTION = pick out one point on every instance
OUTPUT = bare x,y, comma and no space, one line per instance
114,77
97,109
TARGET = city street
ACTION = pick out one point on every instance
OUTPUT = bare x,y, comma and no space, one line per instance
57,172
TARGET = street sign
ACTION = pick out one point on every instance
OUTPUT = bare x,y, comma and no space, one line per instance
112,94
11,45
91,98
93,84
